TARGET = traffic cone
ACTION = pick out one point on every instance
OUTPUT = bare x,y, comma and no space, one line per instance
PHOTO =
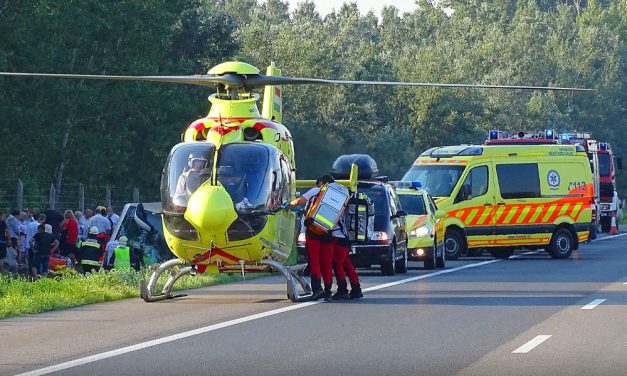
613,229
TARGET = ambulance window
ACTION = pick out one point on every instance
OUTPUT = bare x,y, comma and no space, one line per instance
519,180
475,184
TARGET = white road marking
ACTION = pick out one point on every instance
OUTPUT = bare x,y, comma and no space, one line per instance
593,304
609,237
531,344
210,328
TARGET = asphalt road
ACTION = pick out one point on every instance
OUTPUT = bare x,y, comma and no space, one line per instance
530,315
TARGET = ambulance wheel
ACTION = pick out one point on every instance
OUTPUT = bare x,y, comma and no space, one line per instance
401,265
501,253
454,244
606,224
388,267
440,261
561,245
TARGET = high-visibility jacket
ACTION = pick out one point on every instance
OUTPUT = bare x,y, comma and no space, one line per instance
122,258
90,252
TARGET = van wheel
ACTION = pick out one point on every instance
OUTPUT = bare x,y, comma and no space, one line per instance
401,265
501,253
454,244
561,245
388,267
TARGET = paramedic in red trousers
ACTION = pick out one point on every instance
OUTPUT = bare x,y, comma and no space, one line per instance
342,265
319,247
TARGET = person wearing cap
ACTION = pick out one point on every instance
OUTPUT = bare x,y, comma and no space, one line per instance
43,243
319,247
191,178
91,251
122,255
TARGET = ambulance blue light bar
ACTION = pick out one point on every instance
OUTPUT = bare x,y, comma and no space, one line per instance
406,184
550,134
603,146
494,135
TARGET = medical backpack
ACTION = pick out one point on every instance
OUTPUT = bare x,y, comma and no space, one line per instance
327,208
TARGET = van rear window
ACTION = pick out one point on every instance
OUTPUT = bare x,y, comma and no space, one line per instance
518,180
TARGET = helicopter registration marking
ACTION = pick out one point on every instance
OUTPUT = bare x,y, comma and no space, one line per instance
226,324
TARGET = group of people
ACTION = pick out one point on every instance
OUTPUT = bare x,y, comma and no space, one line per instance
29,239
328,253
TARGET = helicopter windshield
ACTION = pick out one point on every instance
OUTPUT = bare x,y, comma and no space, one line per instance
244,171
188,166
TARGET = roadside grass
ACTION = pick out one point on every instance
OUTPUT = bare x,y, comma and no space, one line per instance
20,296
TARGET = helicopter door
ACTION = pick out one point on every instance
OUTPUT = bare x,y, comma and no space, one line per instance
187,168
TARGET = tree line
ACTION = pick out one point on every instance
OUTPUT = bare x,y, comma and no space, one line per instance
120,133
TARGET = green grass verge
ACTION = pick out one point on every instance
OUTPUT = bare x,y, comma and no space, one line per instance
19,296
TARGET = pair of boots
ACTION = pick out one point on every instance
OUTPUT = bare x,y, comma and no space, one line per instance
318,292
343,294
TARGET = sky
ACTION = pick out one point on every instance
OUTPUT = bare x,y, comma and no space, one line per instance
325,7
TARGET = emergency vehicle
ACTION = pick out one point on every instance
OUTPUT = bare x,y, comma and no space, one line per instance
502,197
425,225
601,156
602,162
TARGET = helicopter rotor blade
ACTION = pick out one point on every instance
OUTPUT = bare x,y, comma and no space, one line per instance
260,80
230,80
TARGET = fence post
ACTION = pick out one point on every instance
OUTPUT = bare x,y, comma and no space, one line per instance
51,199
135,194
81,197
20,195
108,196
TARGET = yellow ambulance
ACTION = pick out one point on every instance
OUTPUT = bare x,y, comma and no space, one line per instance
503,197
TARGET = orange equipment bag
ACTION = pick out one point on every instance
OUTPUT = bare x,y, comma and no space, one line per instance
55,263
327,209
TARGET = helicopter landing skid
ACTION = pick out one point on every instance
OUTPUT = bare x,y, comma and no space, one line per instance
293,274
147,290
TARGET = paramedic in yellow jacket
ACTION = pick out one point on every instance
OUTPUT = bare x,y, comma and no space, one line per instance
319,247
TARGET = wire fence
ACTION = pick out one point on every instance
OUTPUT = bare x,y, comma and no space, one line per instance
14,194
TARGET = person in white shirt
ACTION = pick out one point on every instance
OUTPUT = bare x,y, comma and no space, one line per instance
100,221
112,216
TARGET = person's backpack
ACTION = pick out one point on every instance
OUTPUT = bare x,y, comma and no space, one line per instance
326,210
359,218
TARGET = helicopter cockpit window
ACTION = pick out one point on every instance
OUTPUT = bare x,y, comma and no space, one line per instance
188,166
244,171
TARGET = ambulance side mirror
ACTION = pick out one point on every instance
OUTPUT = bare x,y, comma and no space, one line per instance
439,214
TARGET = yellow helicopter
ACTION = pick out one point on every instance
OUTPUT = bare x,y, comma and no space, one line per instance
224,188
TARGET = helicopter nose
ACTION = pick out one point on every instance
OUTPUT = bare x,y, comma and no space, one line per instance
210,208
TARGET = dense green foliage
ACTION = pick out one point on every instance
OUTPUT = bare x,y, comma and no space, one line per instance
19,296
132,126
